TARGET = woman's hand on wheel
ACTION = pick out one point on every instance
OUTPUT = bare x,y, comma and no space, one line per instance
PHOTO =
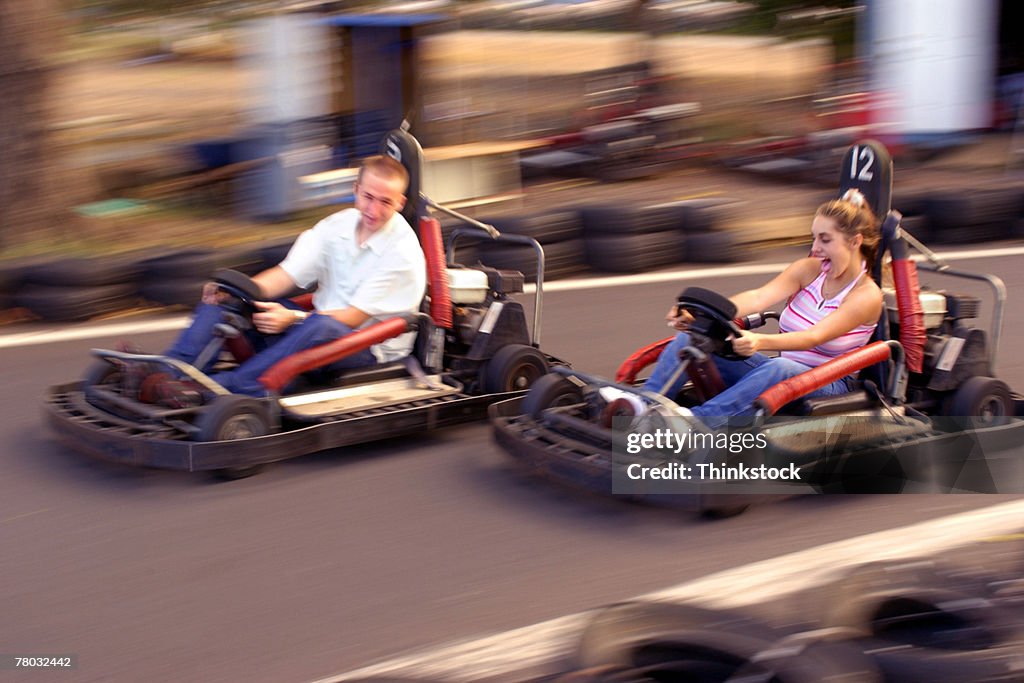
747,343
679,318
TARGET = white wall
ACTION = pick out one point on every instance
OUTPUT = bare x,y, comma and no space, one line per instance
933,63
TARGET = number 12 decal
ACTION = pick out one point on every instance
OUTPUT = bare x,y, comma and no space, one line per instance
865,155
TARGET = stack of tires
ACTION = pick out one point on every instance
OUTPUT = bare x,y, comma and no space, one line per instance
176,278
559,232
623,238
913,206
881,622
974,214
75,288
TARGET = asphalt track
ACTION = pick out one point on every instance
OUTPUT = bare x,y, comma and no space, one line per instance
332,562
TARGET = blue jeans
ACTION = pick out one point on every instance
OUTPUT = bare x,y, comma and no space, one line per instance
746,379
315,330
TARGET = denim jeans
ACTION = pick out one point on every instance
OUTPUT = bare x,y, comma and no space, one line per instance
746,379
315,330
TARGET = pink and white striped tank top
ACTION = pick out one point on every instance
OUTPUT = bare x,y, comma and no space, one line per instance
807,308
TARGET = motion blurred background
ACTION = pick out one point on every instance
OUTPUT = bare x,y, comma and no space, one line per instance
134,122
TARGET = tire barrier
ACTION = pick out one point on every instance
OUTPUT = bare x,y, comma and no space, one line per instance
75,289
925,622
880,622
612,238
669,642
634,253
975,214
559,232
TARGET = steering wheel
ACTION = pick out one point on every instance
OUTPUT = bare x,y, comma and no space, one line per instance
241,291
713,323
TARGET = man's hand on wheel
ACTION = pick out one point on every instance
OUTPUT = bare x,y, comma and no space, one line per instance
212,294
273,318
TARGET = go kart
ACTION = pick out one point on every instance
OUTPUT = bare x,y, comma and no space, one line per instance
926,414
473,347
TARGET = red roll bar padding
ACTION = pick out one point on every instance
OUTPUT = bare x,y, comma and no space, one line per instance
640,359
437,272
793,388
912,332
304,301
278,375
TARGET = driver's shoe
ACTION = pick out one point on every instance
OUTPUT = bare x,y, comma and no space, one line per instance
134,373
162,389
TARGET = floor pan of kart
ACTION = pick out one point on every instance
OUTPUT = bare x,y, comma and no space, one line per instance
336,402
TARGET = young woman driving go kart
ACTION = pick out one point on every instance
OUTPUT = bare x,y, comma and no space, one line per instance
833,307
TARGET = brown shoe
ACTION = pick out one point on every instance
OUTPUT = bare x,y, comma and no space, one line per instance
134,373
162,389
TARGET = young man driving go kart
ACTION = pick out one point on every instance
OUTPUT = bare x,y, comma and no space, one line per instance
366,264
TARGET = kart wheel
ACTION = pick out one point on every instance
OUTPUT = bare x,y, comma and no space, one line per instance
514,367
229,417
550,391
985,399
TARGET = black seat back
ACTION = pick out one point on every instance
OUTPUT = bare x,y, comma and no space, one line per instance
400,145
867,167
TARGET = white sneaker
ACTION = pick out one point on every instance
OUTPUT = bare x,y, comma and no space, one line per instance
610,394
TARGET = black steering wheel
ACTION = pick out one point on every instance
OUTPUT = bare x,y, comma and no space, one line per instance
713,325
241,290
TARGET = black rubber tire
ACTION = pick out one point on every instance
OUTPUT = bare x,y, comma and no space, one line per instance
986,398
973,207
561,259
75,303
918,227
681,637
83,272
228,417
920,622
174,291
699,216
635,253
515,367
546,228
550,391
912,203
625,219
714,508
970,234
272,252
196,263
713,247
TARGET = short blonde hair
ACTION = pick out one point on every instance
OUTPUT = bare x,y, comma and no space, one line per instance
385,167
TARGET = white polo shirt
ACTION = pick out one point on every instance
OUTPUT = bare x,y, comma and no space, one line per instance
385,277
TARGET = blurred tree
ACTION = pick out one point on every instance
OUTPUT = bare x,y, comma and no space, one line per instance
36,191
